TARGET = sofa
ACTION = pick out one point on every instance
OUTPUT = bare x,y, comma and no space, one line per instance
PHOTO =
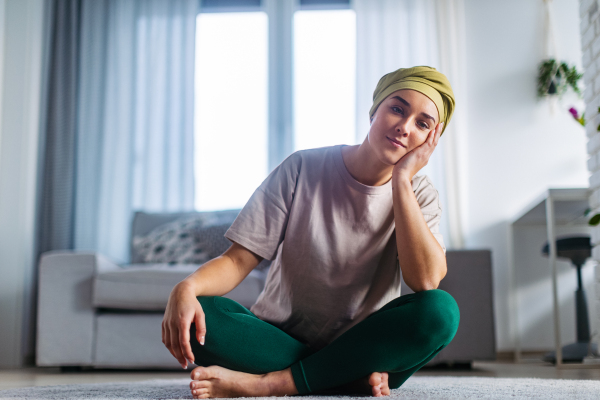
94,313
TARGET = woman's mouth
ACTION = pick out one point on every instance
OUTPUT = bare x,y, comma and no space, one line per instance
397,144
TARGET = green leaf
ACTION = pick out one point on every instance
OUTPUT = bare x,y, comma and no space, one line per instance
595,220
587,211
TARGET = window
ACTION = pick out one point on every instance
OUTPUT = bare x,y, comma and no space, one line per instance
230,108
324,78
245,124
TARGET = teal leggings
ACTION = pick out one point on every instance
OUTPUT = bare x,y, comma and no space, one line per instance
399,338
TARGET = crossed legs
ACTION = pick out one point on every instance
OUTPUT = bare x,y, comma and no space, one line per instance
251,357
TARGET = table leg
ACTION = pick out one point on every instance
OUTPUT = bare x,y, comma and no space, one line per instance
550,223
514,300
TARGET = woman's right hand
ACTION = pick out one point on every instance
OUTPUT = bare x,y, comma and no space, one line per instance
182,309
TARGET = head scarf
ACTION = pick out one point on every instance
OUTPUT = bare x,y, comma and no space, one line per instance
426,80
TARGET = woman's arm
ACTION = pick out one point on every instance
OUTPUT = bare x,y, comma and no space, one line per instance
222,274
214,278
422,259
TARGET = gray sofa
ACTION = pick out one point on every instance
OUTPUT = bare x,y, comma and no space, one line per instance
95,313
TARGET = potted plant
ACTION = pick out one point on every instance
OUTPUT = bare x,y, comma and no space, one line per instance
554,78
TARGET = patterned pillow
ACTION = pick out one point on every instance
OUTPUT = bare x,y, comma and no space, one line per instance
212,239
174,243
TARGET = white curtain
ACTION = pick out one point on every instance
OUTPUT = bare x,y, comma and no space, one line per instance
135,117
394,34
450,17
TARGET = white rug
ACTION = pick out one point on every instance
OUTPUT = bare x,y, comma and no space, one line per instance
416,387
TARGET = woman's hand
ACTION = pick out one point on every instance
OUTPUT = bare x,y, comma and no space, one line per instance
182,309
418,157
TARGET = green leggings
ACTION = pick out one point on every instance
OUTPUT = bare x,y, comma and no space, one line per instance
399,338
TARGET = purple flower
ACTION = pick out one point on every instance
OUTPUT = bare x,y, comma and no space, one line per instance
579,119
574,113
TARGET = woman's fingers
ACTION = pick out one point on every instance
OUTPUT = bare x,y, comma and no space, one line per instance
184,340
200,325
435,134
177,348
167,339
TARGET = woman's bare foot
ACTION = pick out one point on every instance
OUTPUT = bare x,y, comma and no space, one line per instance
215,381
375,384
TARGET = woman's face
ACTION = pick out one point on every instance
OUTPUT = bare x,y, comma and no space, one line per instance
405,116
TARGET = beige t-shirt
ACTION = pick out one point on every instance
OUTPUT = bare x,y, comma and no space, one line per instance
332,240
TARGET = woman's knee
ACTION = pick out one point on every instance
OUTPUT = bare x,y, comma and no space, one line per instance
441,313
222,305
205,301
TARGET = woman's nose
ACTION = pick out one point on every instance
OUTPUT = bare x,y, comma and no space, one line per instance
403,127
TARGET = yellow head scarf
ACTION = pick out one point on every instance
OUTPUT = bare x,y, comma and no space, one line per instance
426,80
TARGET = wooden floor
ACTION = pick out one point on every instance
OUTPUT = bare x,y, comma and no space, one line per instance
15,378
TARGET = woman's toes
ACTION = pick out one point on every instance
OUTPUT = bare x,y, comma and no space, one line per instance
385,386
375,379
379,384
199,373
376,391
195,385
200,393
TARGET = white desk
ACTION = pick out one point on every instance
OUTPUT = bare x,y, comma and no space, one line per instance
552,208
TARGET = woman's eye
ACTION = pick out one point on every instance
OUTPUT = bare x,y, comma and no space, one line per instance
397,108
424,125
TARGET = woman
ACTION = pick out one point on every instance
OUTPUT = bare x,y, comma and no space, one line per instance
354,219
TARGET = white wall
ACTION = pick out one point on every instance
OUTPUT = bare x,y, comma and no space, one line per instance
20,84
517,148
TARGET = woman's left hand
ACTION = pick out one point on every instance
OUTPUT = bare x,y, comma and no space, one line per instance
418,157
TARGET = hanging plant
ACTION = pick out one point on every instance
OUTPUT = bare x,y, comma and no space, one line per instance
555,78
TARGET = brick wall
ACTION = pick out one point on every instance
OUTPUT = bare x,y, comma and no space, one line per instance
589,13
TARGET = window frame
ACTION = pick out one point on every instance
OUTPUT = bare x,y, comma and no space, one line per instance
280,16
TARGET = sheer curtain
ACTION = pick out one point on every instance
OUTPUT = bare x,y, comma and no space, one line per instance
136,114
119,134
394,34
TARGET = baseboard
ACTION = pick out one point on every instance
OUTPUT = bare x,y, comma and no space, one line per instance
526,354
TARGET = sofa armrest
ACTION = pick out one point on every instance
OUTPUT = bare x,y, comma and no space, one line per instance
470,281
65,320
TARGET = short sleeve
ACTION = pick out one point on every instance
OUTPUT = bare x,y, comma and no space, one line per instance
429,201
260,226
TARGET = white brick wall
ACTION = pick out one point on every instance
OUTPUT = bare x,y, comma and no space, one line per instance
589,13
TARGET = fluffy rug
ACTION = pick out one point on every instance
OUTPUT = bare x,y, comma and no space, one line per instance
417,387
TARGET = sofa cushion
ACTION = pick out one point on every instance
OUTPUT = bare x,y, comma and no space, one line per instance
144,222
174,242
147,287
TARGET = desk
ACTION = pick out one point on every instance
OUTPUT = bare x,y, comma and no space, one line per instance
552,208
